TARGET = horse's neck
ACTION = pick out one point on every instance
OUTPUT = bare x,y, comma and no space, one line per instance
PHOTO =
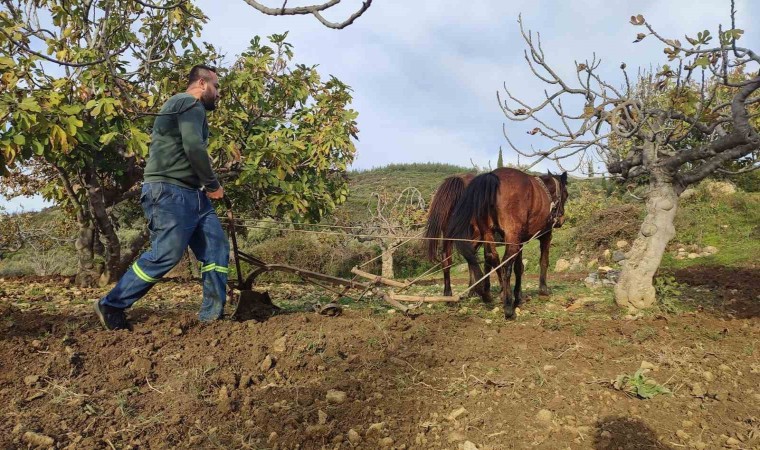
545,186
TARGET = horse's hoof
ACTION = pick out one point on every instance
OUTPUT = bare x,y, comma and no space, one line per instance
545,293
447,293
509,314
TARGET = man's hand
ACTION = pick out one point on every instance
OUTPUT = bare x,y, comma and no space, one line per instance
217,194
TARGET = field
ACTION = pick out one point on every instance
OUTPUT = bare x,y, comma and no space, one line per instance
444,377
572,371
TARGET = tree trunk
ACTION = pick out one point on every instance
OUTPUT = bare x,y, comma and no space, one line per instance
387,259
130,254
106,229
87,273
634,289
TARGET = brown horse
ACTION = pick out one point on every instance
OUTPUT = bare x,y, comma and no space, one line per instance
518,206
446,197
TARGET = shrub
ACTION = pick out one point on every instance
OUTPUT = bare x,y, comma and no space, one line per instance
331,255
605,226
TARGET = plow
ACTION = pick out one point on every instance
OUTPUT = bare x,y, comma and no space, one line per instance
257,305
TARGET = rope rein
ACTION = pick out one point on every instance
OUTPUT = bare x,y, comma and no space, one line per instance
554,202
379,236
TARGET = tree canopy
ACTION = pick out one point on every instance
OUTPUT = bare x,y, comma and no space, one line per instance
81,81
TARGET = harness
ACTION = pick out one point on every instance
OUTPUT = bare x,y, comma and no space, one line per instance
553,208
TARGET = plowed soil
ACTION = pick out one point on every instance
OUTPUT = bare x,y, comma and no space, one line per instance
445,378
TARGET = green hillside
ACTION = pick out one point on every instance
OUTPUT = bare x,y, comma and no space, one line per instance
393,179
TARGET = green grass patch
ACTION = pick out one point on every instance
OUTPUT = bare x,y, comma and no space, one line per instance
729,223
640,385
644,334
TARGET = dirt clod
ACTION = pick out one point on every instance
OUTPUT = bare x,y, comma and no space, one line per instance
279,345
697,390
335,397
375,429
544,417
267,363
467,445
354,437
457,413
38,440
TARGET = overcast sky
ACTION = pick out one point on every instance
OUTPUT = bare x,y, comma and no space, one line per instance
425,72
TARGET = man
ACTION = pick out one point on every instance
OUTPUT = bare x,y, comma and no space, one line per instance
179,213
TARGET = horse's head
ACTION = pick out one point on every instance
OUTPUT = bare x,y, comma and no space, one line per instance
559,182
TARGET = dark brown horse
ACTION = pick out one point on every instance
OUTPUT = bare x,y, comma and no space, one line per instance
518,206
446,197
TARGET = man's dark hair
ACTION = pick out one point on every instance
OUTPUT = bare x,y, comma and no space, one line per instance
200,71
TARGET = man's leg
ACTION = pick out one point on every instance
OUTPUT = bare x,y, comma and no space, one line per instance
171,223
212,249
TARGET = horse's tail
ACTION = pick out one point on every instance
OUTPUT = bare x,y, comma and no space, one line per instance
477,203
445,200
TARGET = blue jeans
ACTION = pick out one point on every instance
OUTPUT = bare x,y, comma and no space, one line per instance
177,217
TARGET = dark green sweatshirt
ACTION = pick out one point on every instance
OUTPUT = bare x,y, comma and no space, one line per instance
178,145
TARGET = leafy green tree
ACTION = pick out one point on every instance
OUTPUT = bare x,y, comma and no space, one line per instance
500,161
71,107
76,112
283,134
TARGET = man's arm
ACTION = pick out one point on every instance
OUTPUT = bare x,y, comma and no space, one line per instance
191,128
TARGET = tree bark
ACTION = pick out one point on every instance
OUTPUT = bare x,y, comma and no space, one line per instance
195,271
106,229
634,289
387,260
87,273
128,256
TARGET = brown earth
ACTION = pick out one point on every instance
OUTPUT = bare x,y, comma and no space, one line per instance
446,378
736,290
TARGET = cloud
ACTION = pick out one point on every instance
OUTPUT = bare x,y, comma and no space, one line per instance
425,72
437,64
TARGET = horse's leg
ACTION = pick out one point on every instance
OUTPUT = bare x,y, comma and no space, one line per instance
491,257
487,266
506,291
545,240
484,287
519,267
447,256
471,257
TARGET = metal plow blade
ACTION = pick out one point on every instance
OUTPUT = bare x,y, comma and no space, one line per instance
254,305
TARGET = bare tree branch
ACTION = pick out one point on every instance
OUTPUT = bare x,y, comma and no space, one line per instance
741,171
618,125
153,6
315,10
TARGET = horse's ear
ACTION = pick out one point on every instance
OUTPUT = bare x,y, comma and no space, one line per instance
548,172
563,177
